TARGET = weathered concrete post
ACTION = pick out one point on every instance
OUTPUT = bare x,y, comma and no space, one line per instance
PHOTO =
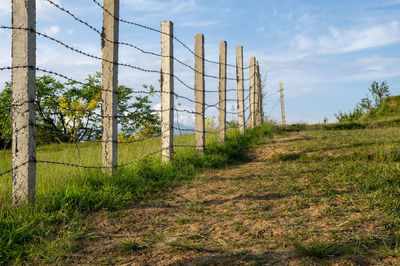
258,95
23,95
240,88
167,91
252,92
199,94
261,97
109,52
282,105
222,93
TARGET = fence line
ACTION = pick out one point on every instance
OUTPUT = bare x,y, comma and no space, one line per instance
24,163
174,37
129,44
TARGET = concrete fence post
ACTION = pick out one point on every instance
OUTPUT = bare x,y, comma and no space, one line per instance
252,92
167,91
258,95
282,105
109,51
222,93
256,107
240,88
199,94
23,107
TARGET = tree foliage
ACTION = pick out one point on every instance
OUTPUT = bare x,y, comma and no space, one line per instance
71,112
379,92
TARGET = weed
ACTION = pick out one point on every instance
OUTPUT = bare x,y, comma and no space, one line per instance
258,235
186,245
316,249
195,207
131,246
391,250
186,220
160,222
239,227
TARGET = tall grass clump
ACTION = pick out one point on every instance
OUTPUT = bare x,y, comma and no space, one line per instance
48,230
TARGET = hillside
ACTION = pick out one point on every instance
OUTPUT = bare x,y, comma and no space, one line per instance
389,109
309,197
302,194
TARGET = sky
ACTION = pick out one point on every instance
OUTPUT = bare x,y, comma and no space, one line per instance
326,53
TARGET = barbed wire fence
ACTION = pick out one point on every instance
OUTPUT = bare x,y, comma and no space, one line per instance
22,109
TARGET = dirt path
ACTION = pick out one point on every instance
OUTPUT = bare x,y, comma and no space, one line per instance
233,216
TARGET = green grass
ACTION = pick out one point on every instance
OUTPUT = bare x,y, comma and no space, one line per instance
48,230
131,246
89,154
316,249
390,108
186,220
354,175
186,245
367,123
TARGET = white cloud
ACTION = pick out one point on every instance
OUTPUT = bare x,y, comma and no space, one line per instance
199,23
306,19
170,7
184,119
303,42
260,29
45,10
52,30
5,7
351,40
374,37
373,67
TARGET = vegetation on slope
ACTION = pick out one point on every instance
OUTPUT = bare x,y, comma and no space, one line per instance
43,232
390,108
368,110
312,197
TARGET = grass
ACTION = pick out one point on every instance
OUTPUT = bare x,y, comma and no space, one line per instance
330,193
131,246
186,220
316,196
186,245
353,177
316,249
48,230
89,154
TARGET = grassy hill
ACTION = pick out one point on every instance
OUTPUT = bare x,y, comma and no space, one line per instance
336,200
65,195
390,109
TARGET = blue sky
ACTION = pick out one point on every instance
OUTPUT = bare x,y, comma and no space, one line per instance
327,53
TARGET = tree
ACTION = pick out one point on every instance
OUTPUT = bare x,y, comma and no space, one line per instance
366,103
138,121
5,117
379,92
71,112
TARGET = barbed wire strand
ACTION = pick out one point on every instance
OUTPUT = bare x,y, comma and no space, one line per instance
159,31
63,9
